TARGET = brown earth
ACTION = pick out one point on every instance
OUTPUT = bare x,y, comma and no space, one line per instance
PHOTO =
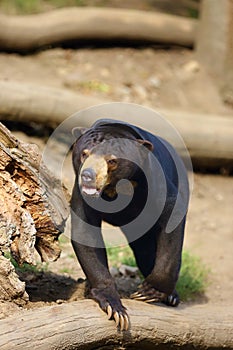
152,77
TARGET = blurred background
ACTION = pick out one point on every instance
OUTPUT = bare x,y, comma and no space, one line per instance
59,56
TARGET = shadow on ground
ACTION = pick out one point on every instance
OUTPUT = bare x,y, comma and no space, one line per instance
46,286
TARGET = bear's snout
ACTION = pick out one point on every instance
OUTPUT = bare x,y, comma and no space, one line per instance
88,175
93,175
88,182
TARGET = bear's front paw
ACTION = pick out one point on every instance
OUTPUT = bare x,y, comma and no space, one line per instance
149,294
110,303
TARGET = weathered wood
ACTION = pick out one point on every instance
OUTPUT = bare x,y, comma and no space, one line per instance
207,137
32,210
82,325
11,288
23,33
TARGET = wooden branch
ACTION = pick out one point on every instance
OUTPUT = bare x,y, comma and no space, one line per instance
33,210
23,33
82,325
207,137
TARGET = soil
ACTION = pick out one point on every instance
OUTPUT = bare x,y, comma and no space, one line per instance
152,76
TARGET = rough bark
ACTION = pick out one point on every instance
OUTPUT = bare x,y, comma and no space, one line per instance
82,325
207,137
23,33
32,211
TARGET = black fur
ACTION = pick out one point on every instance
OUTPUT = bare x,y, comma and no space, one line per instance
158,254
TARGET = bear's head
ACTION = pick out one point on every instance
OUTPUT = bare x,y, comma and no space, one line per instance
104,155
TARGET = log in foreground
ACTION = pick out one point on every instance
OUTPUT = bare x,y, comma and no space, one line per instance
32,210
25,33
82,325
207,137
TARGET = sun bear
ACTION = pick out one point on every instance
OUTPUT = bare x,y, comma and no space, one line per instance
116,162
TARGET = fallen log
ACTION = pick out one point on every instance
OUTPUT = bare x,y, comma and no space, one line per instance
207,137
25,33
32,211
41,104
82,325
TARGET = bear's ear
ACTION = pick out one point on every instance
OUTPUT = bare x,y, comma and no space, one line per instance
78,131
146,144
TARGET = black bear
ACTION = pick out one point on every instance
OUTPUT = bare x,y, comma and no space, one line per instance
113,160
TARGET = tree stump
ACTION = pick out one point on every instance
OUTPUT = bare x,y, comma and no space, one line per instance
32,211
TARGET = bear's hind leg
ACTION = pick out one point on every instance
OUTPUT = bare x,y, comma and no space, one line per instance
149,294
160,282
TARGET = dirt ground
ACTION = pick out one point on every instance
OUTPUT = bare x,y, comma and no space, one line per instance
154,77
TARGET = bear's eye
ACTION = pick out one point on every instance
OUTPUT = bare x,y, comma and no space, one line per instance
84,154
112,163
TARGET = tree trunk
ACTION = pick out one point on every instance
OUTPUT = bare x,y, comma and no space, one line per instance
227,85
32,211
214,44
24,33
82,325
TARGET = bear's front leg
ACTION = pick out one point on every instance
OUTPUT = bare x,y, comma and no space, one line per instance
103,289
86,237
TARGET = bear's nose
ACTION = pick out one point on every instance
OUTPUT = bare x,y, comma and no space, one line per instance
88,175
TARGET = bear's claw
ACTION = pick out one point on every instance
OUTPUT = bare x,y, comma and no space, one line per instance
172,299
122,320
149,294
109,311
109,301
156,296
